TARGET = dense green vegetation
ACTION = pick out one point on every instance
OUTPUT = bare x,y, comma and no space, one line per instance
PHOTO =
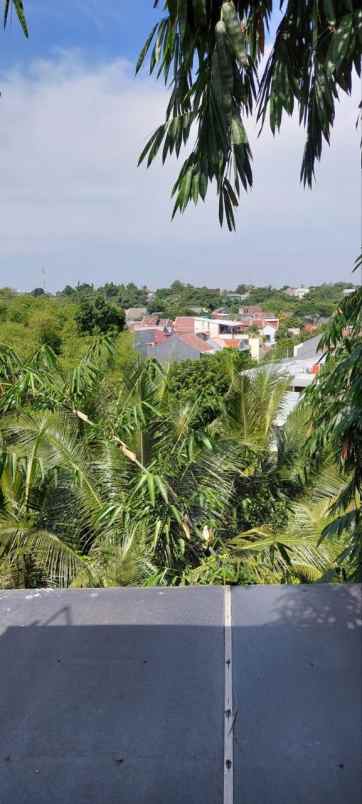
114,470
29,321
30,309
183,299
98,316
117,471
336,401
204,384
321,301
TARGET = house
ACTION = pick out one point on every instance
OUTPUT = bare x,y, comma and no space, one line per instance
143,339
184,325
253,315
265,321
135,314
222,330
238,297
255,348
252,311
348,291
271,320
240,343
298,293
177,348
268,332
150,320
214,328
194,342
220,314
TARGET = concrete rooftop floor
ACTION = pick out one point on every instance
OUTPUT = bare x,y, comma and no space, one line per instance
117,695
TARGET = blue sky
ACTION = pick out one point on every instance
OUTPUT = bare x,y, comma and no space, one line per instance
72,122
101,30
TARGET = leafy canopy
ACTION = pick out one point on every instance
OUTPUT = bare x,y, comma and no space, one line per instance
211,52
108,485
336,404
97,316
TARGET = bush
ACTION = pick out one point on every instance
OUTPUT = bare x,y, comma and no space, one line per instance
96,316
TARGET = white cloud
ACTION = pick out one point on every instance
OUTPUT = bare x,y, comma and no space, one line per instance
73,200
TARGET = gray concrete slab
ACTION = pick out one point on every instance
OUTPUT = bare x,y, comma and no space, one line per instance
118,695
297,672
111,695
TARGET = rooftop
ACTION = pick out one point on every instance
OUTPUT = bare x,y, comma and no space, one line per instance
176,348
184,323
118,695
309,349
195,342
135,313
222,322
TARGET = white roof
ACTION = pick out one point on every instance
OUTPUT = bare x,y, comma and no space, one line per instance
221,321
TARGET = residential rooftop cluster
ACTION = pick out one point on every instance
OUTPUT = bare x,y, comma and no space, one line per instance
189,337
185,322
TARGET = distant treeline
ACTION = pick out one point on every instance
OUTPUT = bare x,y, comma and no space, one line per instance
180,298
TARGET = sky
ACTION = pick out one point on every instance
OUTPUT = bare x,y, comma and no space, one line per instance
75,207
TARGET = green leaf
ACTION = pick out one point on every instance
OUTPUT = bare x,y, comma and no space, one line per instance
238,133
341,43
153,145
221,208
233,30
162,488
19,8
330,11
200,11
151,488
145,49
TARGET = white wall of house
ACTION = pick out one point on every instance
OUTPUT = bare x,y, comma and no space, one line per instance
301,292
218,329
254,344
202,326
268,332
298,292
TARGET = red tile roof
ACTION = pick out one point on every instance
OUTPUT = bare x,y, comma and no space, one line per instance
232,343
252,309
272,322
150,320
159,337
195,342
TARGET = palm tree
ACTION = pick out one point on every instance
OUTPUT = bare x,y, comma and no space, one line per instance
89,494
300,551
141,493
